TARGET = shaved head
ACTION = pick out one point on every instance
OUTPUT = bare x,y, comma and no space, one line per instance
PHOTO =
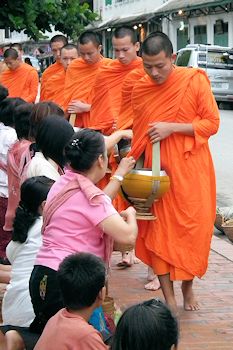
155,43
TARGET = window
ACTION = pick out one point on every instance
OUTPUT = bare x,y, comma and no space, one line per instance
183,58
200,35
221,33
108,2
7,33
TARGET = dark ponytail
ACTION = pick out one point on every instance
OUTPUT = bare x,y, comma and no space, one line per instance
84,149
33,192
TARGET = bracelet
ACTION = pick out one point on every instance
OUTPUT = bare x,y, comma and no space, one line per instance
117,177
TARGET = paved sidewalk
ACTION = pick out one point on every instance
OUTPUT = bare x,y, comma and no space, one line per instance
209,328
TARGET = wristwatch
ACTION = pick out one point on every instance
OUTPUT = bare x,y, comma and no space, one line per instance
117,177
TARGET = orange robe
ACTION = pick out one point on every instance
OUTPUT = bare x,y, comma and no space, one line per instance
54,68
80,78
54,88
22,82
180,237
107,95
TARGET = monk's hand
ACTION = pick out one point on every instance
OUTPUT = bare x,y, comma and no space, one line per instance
126,164
159,131
77,106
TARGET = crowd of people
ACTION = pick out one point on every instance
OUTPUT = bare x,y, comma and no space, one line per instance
60,208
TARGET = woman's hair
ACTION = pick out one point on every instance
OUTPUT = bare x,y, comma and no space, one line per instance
52,136
149,325
40,111
84,149
7,109
22,120
32,193
3,92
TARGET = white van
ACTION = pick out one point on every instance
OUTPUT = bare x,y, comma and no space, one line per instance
217,61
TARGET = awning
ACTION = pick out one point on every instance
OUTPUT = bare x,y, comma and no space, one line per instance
175,5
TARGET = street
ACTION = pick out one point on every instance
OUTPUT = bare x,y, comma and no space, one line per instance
221,146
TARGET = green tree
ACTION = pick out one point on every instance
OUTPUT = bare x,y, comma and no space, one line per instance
36,16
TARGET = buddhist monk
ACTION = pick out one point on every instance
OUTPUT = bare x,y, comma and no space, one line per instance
3,65
20,79
54,88
175,106
80,77
56,43
107,89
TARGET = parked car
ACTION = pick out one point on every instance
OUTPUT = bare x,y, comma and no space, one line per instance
33,61
217,61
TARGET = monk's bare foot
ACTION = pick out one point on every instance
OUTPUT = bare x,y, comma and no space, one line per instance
150,274
190,302
153,284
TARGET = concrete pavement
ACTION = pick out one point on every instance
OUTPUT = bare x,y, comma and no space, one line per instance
209,328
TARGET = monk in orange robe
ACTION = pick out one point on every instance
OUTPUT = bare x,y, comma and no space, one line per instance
54,88
20,79
107,89
175,105
56,43
80,77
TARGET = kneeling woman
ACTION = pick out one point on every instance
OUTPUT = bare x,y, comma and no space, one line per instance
79,217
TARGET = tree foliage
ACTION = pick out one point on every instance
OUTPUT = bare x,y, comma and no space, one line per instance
37,16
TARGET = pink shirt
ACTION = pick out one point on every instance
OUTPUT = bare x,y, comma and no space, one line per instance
73,227
69,331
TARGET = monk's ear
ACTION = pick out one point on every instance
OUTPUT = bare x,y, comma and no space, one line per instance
137,46
100,48
173,57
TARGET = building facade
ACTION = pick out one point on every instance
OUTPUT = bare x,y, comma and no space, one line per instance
184,21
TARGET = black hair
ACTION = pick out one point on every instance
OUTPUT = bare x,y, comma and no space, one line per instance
40,111
12,53
90,36
124,31
22,120
3,93
69,47
81,277
7,109
155,43
59,37
148,325
28,61
84,149
53,134
33,192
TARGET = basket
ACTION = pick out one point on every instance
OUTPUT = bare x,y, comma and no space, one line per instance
219,220
228,229
120,247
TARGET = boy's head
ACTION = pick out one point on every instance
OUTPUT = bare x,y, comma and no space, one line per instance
82,279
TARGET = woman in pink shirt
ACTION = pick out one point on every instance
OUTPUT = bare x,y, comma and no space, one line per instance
79,217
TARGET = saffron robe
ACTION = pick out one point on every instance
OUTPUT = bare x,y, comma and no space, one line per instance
181,234
22,82
54,88
54,68
107,94
80,77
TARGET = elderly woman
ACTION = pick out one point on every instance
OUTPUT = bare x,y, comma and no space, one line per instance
79,217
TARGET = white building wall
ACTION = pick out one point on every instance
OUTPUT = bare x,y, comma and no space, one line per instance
20,37
125,8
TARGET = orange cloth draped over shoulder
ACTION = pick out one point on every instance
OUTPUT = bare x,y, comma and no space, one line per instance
22,82
54,88
107,94
54,68
180,236
80,77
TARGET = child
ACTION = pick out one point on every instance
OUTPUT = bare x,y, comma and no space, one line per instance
148,325
82,281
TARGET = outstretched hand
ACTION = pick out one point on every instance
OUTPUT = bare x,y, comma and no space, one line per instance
125,166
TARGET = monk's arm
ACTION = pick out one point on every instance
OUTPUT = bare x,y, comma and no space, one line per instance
161,130
33,87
